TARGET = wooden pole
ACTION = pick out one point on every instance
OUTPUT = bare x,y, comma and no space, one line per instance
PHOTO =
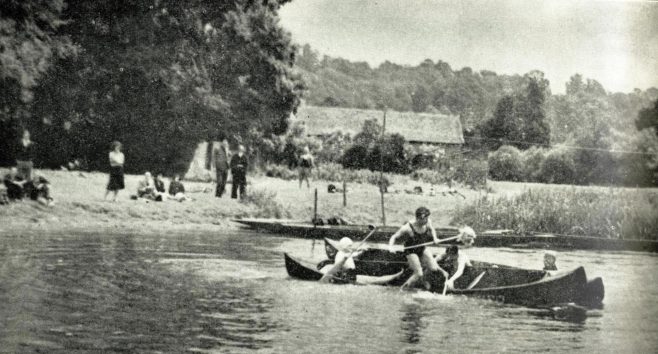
381,169
344,193
315,206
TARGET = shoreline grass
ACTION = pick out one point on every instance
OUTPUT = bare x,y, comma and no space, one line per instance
618,213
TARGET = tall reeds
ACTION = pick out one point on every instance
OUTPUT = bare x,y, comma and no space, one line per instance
600,212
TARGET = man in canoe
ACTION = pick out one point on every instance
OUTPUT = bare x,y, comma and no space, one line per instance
416,233
549,261
453,263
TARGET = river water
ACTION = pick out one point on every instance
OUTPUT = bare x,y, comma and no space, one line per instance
111,292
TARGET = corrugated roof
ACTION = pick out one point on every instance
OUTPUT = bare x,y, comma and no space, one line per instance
414,127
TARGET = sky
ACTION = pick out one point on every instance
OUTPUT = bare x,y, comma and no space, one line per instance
613,42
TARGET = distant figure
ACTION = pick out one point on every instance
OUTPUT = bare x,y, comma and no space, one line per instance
177,190
116,171
453,263
25,156
239,165
39,190
146,188
15,184
549,261
415,233
221,155
159,183
306,164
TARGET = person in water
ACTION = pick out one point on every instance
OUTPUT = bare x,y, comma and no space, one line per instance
453,263
415,233
549,261
343,265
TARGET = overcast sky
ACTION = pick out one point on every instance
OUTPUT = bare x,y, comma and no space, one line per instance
614,42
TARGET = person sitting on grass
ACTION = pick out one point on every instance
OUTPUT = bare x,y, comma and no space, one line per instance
159,183
453,263
15,184
146,188
177,190
39,190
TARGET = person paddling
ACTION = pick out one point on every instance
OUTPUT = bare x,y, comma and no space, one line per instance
549,261
416,233
343,265
454,263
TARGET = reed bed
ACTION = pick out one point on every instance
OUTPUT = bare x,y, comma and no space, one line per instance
601,212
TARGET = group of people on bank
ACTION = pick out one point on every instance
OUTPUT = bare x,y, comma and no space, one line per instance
154,188
20,182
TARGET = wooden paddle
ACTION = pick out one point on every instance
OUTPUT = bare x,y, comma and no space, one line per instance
337,266
433,243
475,281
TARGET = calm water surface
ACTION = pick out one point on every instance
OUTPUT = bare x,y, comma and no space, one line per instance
224,293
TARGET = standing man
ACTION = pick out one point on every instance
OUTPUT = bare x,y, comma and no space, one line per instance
222,165
238,166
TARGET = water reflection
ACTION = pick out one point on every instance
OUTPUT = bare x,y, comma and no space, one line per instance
412,322
111,295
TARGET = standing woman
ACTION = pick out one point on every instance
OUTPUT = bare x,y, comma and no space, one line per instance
25,156
306,163
116,171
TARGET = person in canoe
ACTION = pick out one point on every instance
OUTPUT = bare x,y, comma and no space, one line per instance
454,263
415,234
343,265
549,261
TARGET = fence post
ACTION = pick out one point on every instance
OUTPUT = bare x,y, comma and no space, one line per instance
315,206
344,193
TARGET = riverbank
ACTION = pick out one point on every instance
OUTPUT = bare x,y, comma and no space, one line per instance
80,204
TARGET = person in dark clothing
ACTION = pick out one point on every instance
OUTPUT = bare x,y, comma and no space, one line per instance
25,156
221,156
416,233
177,190
238,166
39,189
15,184
159,183
549,261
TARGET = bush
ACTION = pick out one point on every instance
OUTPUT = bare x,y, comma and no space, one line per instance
505,164
533,159
266,204
558,167
472,172
355,157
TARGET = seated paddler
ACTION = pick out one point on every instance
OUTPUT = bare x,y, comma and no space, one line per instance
454,263
415,234
343,266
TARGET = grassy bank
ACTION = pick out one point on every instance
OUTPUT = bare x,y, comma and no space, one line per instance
523,207
592,211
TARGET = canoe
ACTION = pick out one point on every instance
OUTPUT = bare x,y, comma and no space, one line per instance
297,270
507,285
489,238
300,229
378,261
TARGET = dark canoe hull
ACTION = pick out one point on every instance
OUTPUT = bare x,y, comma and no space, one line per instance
298,229
379,262
507,285
292,228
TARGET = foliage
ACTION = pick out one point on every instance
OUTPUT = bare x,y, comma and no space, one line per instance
161,75
610,213
371,150
533,159
506,164
558,167
648,117
267,206
520,120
